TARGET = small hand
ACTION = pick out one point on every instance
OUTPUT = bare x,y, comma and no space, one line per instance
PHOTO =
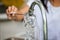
13,13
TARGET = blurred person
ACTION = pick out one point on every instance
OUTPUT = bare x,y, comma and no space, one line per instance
53,18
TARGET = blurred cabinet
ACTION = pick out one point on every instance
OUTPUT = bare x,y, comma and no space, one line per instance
2,7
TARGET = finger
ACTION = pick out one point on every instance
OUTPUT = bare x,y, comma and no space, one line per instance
9,17
9,9
13,8
8,14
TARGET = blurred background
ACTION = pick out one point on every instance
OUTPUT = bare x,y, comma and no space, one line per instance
10,30
2,7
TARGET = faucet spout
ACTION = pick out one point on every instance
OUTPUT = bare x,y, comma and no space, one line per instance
43,12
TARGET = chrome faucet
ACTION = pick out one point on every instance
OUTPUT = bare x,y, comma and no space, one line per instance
30,20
